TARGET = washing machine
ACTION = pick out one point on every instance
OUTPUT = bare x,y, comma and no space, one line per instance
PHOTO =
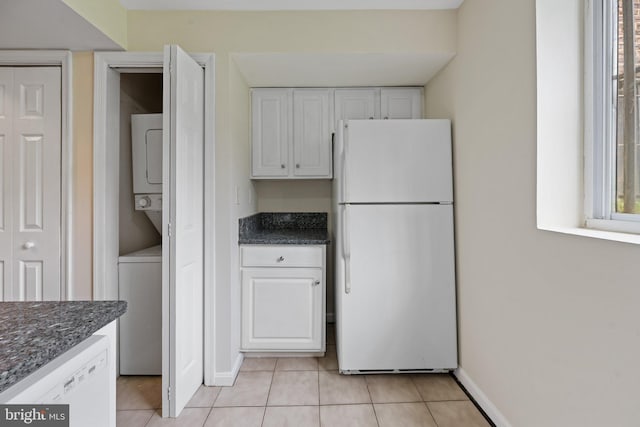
140,284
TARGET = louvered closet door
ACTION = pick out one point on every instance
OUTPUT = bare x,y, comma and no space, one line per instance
30,108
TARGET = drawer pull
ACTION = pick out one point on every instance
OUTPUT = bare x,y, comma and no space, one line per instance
280,259
316,283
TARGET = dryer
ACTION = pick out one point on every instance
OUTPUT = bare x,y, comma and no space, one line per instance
146,157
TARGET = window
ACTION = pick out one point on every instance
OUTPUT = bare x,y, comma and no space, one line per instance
612,117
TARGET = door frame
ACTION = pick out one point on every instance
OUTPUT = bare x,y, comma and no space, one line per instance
106,179
62,59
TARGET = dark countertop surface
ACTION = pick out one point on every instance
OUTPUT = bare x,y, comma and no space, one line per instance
32,334
284,228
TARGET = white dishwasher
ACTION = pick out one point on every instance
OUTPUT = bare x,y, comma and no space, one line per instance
79,377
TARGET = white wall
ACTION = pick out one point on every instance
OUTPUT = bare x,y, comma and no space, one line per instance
548,323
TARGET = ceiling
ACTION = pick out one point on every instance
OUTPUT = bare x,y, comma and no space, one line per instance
339,69
290,4
49,24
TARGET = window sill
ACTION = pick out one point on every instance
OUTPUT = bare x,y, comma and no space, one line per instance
596,230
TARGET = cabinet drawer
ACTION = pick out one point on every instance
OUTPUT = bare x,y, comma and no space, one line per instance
281,256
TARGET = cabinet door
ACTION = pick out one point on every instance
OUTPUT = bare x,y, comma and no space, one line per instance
401,103
270,132
282,308
311,139
357,104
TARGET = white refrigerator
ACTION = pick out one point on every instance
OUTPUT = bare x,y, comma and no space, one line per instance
395,272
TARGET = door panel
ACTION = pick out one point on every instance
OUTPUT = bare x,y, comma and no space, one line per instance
3,191
6,171
182,278
401,103
282,308
270,132
31,280
31,181
311,143
30,151
356,104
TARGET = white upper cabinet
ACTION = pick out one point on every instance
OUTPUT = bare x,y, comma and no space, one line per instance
292,128
378,103
311,136
270,133
291,136
401,103
357,104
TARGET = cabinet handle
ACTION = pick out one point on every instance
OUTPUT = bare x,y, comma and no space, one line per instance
386,118
282,166
370,118
297,165
316,283
280,259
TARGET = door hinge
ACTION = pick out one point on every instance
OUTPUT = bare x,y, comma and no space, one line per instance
168,393
169,229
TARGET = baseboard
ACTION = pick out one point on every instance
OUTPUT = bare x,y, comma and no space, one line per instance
481,399
226,379
331,318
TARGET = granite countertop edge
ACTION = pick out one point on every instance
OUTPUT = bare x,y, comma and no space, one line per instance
282,241
284,228
33,334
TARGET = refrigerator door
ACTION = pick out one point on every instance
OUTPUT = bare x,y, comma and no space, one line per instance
395,288
395,161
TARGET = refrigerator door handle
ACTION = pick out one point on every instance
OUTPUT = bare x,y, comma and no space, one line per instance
346,244
345,152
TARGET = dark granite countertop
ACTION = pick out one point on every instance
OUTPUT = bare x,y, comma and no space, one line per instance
284,228
32,334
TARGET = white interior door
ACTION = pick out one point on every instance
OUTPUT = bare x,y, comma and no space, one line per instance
182,278
30,142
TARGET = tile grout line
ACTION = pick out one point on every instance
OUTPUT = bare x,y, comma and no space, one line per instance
431,414
208,415
424,402
150,418
266,402
375,414
319,418
213,404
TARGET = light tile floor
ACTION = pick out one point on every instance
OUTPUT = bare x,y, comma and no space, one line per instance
305,392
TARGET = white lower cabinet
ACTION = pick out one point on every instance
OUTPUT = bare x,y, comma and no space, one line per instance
283,303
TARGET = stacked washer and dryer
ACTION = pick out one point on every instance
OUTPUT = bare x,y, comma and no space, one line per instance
140,272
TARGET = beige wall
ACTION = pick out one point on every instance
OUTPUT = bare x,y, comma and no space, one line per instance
245,204
548,322
225,33
82,243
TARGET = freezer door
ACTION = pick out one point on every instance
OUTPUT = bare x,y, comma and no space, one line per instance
395,288
397,161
